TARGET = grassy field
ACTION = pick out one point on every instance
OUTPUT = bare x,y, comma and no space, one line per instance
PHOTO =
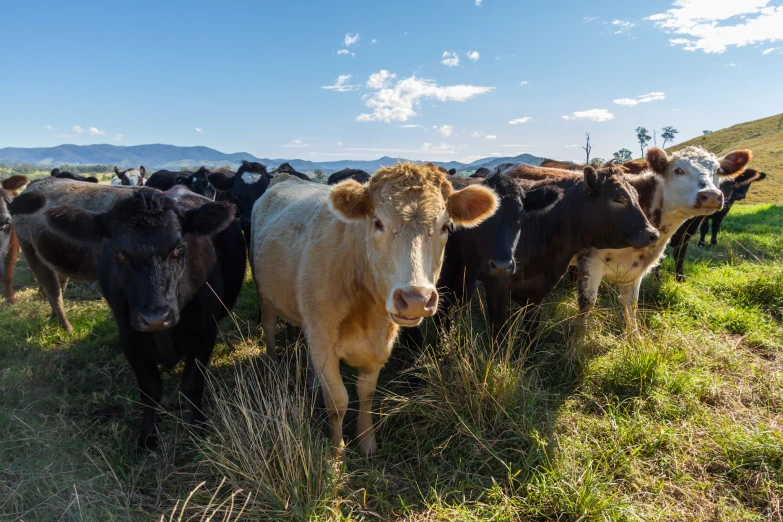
765,138
683,423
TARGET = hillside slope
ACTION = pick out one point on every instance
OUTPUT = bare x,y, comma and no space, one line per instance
765,138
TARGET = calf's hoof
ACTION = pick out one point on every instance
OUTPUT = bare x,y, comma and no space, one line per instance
369,447
679,277
147,443
701,243
714,242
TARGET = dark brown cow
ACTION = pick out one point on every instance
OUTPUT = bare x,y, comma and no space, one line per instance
52,257
670,191
9,244
597,210
565,165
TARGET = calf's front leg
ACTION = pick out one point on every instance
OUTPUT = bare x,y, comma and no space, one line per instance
365,432
629,296
327,368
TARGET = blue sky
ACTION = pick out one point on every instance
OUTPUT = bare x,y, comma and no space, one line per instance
438,79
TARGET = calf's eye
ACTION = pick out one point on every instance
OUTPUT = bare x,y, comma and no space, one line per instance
447,228
679,171
377,224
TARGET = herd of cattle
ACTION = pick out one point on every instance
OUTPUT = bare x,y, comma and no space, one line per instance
351,261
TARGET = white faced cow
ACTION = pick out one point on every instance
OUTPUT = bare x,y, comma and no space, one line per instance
351,264
672,190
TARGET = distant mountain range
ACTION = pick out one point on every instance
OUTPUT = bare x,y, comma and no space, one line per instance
159,156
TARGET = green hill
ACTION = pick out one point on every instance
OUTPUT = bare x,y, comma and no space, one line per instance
765,138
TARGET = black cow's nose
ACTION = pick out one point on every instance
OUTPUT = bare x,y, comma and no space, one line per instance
501,268
155,320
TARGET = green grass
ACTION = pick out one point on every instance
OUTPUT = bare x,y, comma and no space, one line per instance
765,138
683,423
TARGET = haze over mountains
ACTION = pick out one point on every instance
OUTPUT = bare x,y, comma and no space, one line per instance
159,156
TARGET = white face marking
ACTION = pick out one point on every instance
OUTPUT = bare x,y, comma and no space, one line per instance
698,174
251,177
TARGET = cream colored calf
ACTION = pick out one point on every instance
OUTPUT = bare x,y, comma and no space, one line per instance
351,264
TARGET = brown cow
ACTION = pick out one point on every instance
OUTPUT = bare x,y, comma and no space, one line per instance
52,257
565,165
9,245
352,263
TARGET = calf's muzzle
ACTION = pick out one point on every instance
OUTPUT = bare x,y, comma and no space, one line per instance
709,198
414,302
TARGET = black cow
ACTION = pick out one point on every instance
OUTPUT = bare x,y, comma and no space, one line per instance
734,189
197,182
483,172
246,186
64,174
9,244
597,210
487,250
452,172
170,265
286,168
341,175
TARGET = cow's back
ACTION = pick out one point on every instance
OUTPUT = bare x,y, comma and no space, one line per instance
67,258
284,219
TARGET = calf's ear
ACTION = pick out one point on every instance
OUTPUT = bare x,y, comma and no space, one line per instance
15,182
208,219
470,206
657,159
80,226
541,198
734,162
220,181
91,179
142,172
591,180
27,203
350,201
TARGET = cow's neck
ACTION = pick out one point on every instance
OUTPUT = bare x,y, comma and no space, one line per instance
649,186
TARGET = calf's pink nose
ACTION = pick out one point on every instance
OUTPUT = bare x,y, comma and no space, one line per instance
415,301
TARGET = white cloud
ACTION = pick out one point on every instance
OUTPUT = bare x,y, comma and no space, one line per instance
622,26
473,55
198,129
351,39
399,102
478,2
731,65
771,49
296,144
341,85
118,137
588,19
412,126
520,120
445,130
592,114
523,83
450,59
517,145
490,137
571,146
47,127
373,41
339,143
642,98
475,134
90,131
380,79
712,26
